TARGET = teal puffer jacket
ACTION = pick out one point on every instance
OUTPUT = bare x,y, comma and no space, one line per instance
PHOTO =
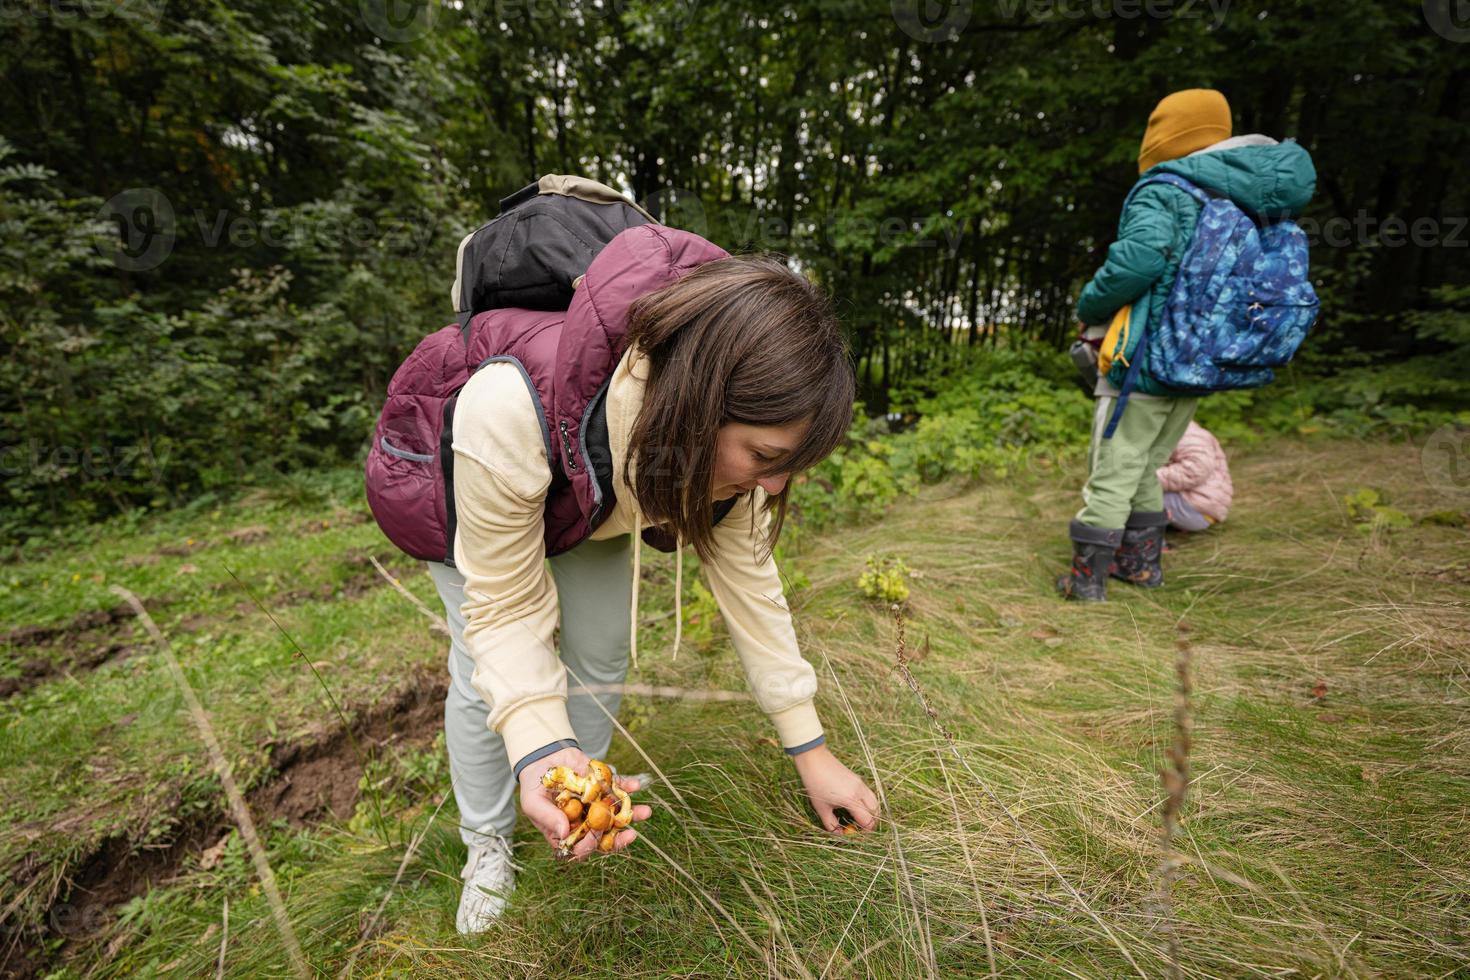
1270,180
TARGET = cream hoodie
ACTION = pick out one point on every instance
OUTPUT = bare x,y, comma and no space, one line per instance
501,478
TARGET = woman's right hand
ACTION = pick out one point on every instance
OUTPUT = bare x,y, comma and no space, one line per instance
547,816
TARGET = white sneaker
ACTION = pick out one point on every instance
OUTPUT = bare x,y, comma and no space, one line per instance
489,878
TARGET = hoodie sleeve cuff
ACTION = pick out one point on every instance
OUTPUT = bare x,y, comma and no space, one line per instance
799,749
797,725
544,751
532,726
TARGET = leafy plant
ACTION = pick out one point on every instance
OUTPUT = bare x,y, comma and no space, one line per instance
1365,507
885,580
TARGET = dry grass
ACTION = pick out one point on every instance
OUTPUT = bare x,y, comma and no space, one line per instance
1323,831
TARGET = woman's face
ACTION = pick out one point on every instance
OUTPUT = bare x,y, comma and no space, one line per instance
742,451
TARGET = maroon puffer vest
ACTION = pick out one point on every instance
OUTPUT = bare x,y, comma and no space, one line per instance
567,359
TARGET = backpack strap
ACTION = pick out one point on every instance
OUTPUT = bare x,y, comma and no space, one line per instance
1130,380
1198,193
446,463
520,197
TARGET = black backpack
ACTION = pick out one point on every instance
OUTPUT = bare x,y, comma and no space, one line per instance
532,253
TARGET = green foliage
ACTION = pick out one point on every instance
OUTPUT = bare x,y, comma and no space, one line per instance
997,411
1361,503
885,580
1366,508
394,783
995,414
298,227
320,162
701,614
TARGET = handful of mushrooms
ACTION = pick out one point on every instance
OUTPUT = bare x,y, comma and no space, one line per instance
591,802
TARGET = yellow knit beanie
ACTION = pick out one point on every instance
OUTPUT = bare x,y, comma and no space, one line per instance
1182,123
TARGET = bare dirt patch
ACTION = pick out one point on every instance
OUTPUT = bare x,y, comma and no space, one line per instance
311,779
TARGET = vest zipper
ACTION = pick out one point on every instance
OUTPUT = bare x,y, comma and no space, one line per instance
566,445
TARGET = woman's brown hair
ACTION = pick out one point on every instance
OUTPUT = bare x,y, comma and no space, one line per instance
740,339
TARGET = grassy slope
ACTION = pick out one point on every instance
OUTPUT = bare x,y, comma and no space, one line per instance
92,754
1325,831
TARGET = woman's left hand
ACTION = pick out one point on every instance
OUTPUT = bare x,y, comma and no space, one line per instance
829,785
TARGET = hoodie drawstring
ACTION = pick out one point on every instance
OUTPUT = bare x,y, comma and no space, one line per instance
637,577
678,594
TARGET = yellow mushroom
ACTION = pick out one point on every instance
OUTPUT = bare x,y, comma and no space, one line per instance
601,771
581,830
601,804
623,815
587,788
599,816
621,818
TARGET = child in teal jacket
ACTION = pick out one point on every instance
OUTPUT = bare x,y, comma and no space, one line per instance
1120,529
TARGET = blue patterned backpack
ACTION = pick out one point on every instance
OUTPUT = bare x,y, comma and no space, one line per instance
1241,303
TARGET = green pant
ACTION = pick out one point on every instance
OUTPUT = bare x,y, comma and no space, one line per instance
1122,470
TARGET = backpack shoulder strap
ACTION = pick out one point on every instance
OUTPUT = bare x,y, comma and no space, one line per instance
1130,380
1174,180
512,201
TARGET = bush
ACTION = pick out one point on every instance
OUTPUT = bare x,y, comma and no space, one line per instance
1003,409
999,411
885,580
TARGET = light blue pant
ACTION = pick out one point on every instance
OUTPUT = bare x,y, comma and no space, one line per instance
594,583
1183,517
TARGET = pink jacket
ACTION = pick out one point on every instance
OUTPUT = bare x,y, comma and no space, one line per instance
1197,471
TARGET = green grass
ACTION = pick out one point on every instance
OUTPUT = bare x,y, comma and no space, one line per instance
1324,833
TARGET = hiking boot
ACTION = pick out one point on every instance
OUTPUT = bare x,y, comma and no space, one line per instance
1092,554
489,878
1137,560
